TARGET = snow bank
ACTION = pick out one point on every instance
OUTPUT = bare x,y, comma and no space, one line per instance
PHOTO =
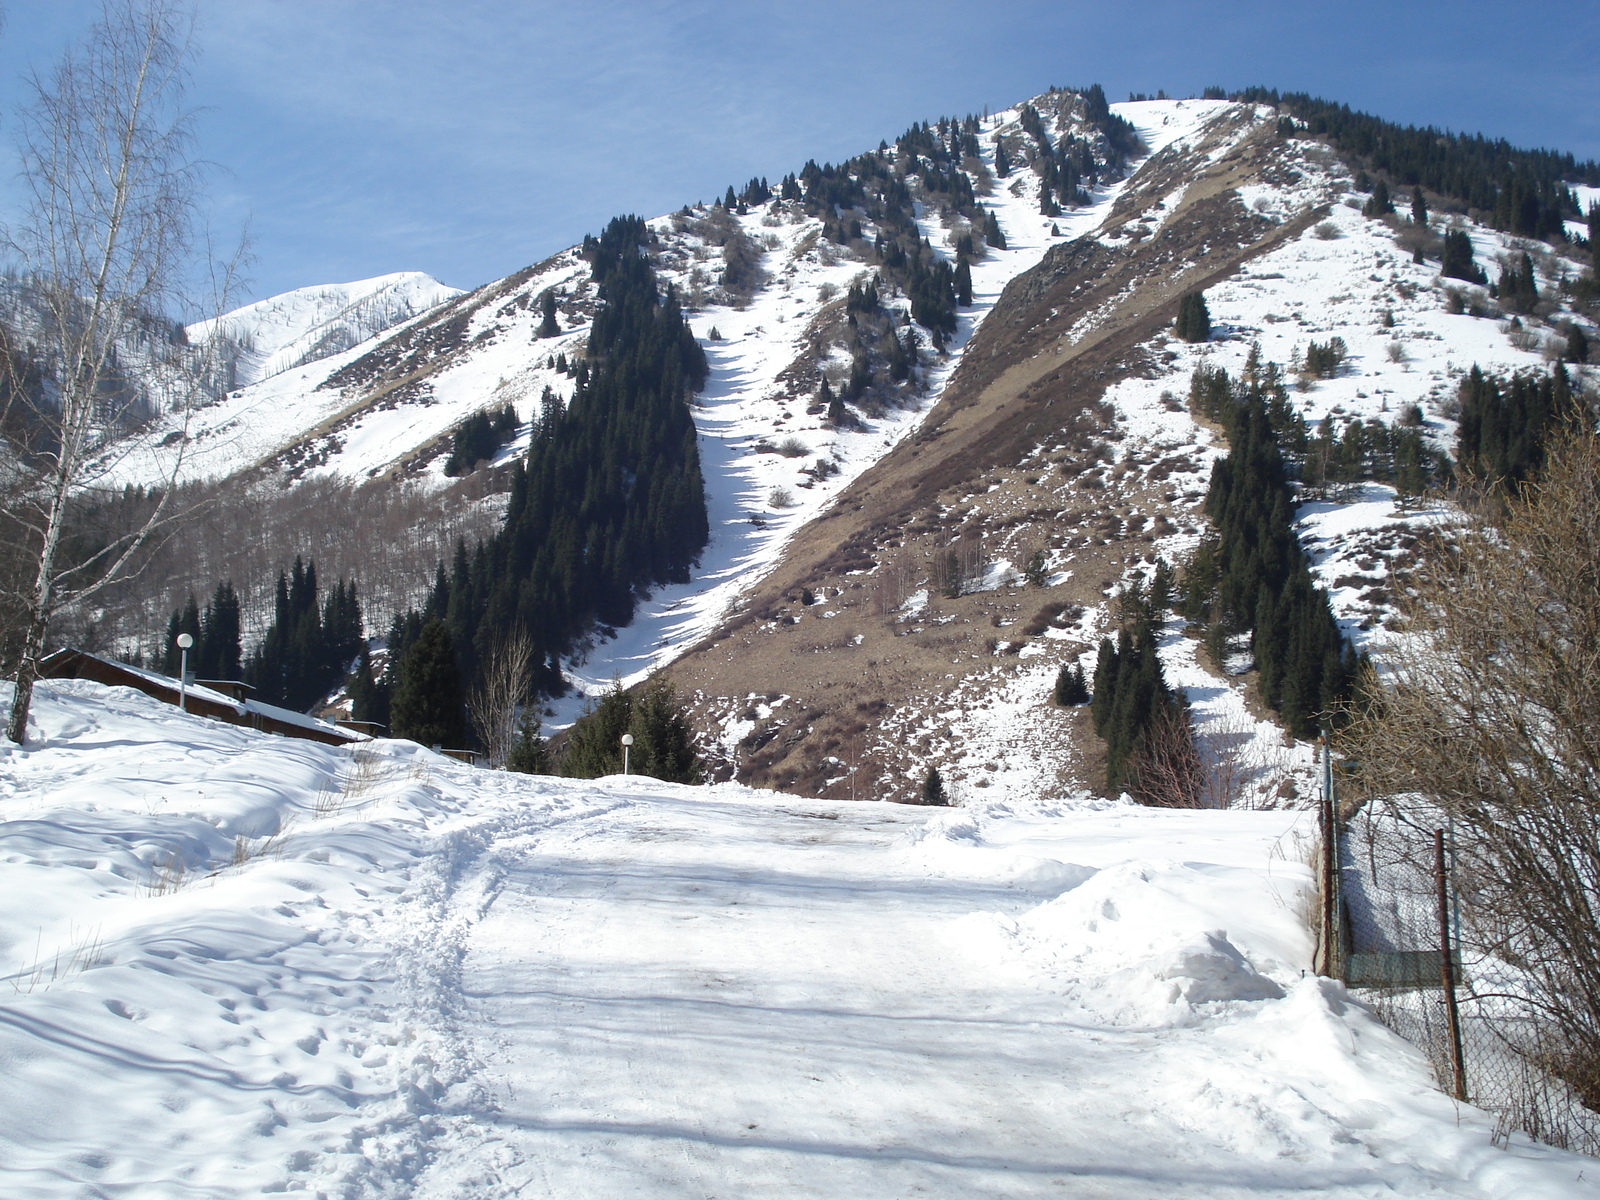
244,965
227,952
1141,940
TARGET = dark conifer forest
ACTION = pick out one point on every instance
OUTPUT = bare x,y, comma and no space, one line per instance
609,501
310,644
1505,423
1252,576
1518,191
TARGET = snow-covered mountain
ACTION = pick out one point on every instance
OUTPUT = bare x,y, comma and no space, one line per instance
1054,421
312,323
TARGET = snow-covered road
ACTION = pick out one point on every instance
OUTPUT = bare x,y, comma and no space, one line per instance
722,998
730,995
243,965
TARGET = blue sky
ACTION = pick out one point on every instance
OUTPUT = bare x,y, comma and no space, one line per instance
471,137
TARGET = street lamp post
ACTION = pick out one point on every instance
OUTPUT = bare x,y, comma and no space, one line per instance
627,740
184,642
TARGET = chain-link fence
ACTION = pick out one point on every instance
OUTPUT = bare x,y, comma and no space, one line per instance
1477,1022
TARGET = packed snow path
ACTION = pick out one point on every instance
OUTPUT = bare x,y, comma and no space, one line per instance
729,995
723,999
245,965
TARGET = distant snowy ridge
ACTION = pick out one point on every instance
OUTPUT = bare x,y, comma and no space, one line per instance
311,323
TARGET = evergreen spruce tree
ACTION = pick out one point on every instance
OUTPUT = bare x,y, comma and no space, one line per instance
1419,207
594,744
185,621
369,698
832,405
1456,260
899,360
169,644
1379,204
1071,689
963,283
529,754
1577,345
1262,578
1505,423
549,326
220,653
992,232
1194,318
1105,678
663,741
933,792
428,705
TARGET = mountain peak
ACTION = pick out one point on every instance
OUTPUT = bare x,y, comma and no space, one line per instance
310,323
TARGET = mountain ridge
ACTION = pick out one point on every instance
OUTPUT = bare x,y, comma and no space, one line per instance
301,326
1062,368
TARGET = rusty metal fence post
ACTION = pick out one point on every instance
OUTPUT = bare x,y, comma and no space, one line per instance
1329,821
1447,969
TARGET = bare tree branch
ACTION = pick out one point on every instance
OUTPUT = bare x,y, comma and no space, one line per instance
106,239
1492,717
500,692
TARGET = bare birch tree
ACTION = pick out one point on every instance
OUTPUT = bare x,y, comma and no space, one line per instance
502,688
105,244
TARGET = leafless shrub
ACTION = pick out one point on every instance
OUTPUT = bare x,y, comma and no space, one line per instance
82,954
1489,718
780,497
891,584
329,800
501,690
247,849
367,769
167,875
1241,769
959,565
1169,772
823,468
1328,231
793,447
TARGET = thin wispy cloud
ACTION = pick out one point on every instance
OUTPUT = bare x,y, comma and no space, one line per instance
467,140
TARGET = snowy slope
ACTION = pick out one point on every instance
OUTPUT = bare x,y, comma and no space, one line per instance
305,419
742,405
242,965
311,323
1347,277
1343,278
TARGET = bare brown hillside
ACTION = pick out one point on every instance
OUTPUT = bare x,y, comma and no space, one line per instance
827,682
